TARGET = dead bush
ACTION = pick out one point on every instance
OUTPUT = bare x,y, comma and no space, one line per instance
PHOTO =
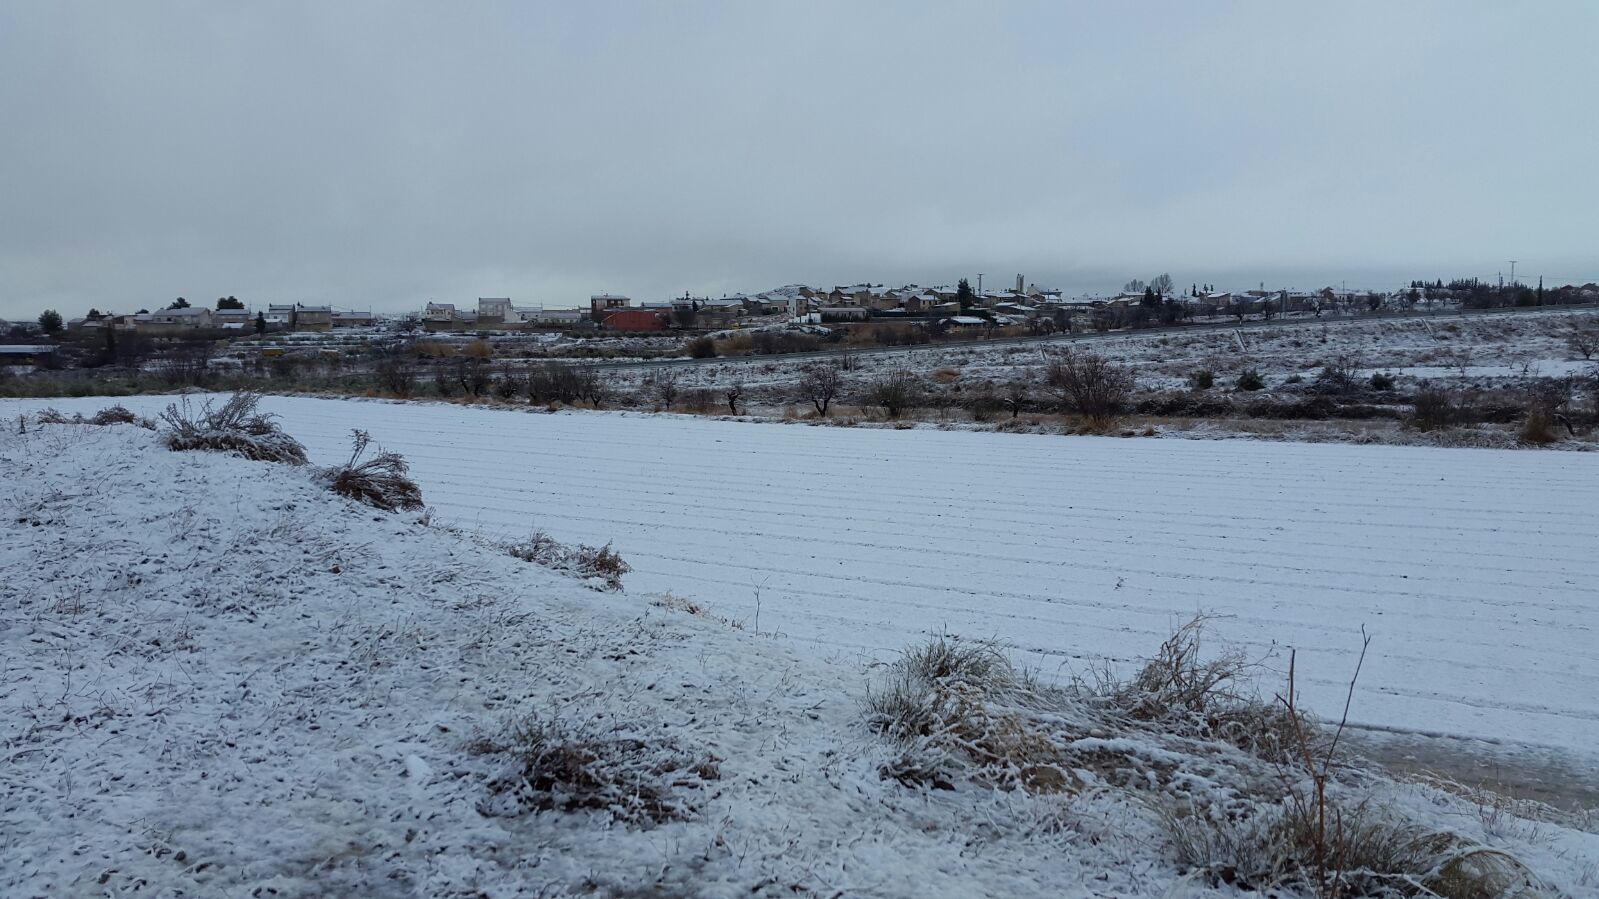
702,348
1431,409
601,566
894,393
394,372
1339,376
236,426
636,777
1094,386
1179,681
699,400
382,481
50,415
1538,428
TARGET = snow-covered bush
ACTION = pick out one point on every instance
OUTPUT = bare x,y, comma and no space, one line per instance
637,776
114,415
601,566
235,427
382,481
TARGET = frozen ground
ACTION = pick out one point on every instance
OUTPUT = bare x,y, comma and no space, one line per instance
219,679
1474,570
1476,350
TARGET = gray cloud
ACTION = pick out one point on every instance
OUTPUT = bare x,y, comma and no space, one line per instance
381,154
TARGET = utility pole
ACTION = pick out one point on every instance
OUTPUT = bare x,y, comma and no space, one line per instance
979,288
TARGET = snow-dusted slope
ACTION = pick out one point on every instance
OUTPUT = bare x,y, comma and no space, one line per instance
217,679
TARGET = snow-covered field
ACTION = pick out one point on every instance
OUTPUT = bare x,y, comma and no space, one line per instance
216,678
1474,570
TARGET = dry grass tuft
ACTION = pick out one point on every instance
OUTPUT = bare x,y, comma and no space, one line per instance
558,765
1374,853
1248,792
114,415
235,427
111,415
382,481
602,566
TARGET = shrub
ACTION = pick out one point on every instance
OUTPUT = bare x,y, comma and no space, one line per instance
235,427
1204,379
1094,386
508,385
380,481
602,765
1538,428
114,415
894,393
1432,408
1381,381
394,373
1250,379
602,566
699,400
1340,376
702,348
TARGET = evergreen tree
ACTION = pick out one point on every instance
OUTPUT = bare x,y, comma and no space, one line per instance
229,302
179,303
964,295
50,321
260,323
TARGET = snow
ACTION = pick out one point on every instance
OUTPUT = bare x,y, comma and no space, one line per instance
1472,569
217,678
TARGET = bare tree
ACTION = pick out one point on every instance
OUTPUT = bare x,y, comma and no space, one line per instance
592,387
1093,385
1583,339
667,389
185,362
733,394
821,385
1015,398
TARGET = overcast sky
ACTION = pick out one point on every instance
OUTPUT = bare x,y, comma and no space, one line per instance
378,155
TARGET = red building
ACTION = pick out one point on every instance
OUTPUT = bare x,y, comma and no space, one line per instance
636,320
